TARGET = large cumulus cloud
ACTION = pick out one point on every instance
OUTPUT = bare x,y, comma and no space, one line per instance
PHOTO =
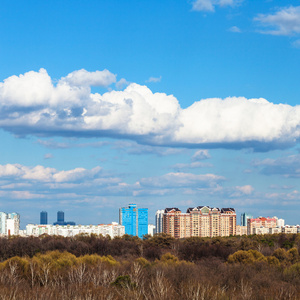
32,104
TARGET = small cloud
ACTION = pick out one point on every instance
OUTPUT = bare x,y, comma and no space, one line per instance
84,78
200,155
48,156
285,21
246,189
283,187
154,79
203,5
235,29
122,83
209,5
180,179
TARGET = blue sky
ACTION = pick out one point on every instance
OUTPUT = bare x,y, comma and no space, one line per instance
159,103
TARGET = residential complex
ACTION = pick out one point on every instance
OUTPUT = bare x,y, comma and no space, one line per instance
254,226
135,220
202,221
113,230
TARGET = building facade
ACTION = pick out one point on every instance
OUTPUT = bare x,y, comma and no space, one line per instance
159,221
151,229
43,218
201,221
135,220
3,218
9,223
289,229
261,222
244,218
113,230
61,219
241,230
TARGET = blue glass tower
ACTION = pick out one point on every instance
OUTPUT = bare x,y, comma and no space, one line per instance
244,218
43,218
134,219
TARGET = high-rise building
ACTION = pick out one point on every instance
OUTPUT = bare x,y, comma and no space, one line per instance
43,218
61,219
244,218
159,221
134,219
60,216
202,221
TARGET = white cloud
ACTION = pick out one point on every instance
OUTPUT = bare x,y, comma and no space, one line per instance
43,174
200,155
209,5
122,83
85,78
235,29
32,104
179,180
203,5
246,189
285,21
154,79
48,156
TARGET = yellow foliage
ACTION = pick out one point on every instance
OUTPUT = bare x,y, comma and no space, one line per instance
95,259
272,260
246,257
56,259
143,261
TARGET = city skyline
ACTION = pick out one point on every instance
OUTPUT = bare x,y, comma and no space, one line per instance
156,103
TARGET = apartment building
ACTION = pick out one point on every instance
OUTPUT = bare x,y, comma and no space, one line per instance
113,230
201,221
261,222
9,223
241,230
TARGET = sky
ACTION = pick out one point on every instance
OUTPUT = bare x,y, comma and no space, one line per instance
159,103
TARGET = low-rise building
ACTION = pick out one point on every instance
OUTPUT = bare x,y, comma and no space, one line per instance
289,229
260,230
275,230
241,230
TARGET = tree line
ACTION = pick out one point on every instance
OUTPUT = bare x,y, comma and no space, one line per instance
159,267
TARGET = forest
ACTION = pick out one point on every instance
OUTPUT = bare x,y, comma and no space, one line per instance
159,267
